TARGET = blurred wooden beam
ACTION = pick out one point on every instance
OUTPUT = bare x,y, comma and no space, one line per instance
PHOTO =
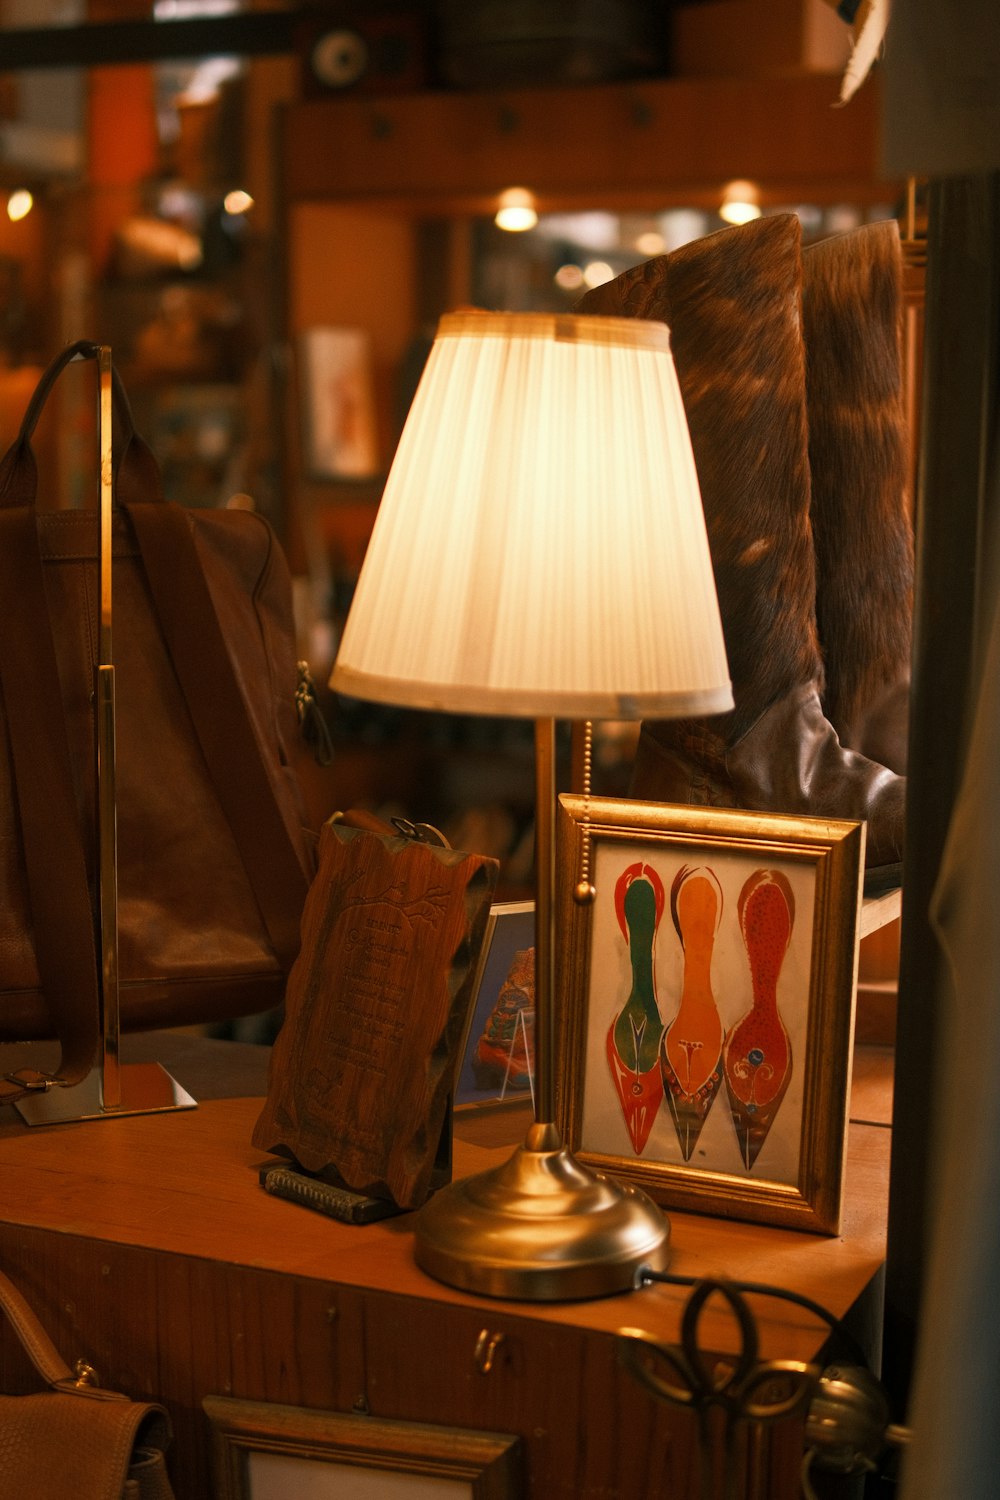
106,43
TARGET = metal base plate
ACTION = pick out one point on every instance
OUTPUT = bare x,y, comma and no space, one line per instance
540,1228
146,1088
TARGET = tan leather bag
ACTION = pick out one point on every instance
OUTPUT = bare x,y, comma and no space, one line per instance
213,859
75,1439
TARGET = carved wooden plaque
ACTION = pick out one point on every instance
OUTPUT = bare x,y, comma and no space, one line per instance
376,1002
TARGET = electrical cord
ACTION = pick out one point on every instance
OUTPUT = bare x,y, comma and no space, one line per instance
851,1428
852,1348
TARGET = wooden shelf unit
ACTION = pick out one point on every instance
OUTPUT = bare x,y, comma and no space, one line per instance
645,143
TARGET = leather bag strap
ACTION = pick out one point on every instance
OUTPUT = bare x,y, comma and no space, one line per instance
34,1340
137,474
55,861
221,719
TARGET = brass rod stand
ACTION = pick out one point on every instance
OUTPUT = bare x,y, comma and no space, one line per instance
111,1088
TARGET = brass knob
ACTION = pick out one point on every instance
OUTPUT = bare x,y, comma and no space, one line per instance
85,1374
486,1348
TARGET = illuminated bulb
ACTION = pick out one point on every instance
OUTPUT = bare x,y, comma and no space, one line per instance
237,202
517,211
739,203
19,205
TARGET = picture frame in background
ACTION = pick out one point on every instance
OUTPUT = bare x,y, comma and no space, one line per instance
707,1025
496,1058
265,1451
337,394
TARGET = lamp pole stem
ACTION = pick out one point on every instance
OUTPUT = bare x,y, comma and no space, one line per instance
542,1225
545,889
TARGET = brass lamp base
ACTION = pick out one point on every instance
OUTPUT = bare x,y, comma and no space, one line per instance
540,1228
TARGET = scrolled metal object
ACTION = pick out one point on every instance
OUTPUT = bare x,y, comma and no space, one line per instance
847,1416
744,1387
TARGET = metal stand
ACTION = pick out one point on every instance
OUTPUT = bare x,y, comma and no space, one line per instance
112,1088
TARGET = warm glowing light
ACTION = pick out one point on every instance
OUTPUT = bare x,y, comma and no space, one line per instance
597,272
19,205
679,226
540,551
569,277
237,202
651,242
739,213
516,211
739,203
468,549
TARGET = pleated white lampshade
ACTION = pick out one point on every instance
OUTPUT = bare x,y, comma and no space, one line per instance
540,548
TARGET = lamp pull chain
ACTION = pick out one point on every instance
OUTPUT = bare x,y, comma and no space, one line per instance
584,892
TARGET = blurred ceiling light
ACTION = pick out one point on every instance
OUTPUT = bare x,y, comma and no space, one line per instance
739,203
841,217
810,216
179,204
569,277
679,226
594,231
517,211
651,242
237,202
739,212
206,80
597,272
19,205
182,10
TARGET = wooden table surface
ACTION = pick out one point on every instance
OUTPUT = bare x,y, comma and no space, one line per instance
186,1183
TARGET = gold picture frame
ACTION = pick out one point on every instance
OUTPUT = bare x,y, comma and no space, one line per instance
740,943
261,1450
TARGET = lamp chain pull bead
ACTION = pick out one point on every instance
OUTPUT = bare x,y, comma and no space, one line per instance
584,892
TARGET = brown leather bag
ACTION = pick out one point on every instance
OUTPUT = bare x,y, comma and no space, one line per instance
76,1439
213,858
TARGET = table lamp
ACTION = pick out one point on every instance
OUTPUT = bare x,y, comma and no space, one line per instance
540,551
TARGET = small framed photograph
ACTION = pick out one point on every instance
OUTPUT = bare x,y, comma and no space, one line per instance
336,384
497,1057
706,1015
262,1451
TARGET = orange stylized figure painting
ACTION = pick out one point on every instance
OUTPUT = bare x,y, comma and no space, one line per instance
633,1038
691,1050
757,1054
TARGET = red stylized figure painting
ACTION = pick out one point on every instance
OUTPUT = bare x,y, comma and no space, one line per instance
502,1058
691,1050
757,1055
633,1039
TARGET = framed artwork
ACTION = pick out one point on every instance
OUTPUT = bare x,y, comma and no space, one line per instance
338,404
706,1016
262,1451
497,1054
